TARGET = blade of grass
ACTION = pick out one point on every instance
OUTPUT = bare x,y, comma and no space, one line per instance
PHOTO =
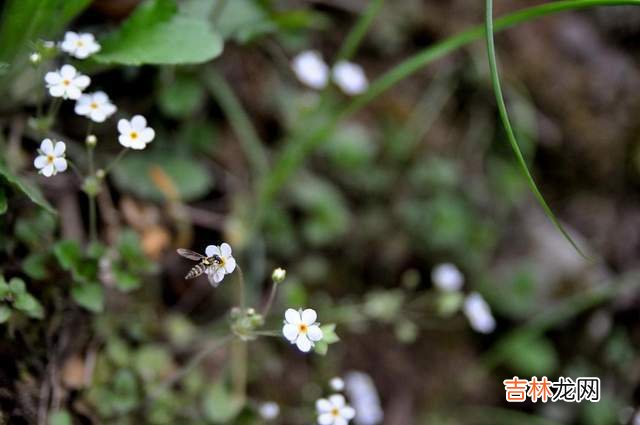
293,154
359,30
504,117
239,120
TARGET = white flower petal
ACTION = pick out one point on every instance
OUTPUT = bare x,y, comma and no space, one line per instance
292,316
311,69
59,149
138,144
218,275
124,141
309,316
290,332
57,91
314,333
73,92
46,147
304,344
138,123
337,400
98,116
210,250
124,126
48,170
225,249
148,134
60,164
323,405
340,421
52,78
82,82
325,419
348,412
40,161
68,72
100,97
230,265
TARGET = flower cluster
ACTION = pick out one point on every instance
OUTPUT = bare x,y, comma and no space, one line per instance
313,71
448,279
67,83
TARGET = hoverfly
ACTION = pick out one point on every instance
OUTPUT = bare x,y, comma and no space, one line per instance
207,265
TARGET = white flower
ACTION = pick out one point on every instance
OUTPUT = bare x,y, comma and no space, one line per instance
279,275
336,384
35,58
80,45
311,69
51,160
301,328
364,396
334,411
269,410
447,277
226,265
135,134
479,314
350,77
96,106
66,83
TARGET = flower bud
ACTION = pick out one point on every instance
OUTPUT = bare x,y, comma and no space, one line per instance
278,275
91,140
35,58
251,311
100,174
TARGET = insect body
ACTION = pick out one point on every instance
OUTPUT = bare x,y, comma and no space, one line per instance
207,265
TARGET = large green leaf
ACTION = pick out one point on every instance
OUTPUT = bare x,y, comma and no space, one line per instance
158,32
32,192
89,296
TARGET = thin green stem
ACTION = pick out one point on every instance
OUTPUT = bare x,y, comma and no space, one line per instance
241,289
294,153
504,117
239,365
272,296
93,220
239,121
359,30
113,163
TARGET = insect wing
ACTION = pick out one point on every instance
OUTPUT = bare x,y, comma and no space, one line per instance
191,255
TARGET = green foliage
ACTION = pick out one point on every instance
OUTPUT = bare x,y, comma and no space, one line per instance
24,188
329,337
158,32
191,179
529,355
15,297
61,417
219,405
181,97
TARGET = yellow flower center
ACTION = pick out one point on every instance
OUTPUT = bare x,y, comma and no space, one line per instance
79,43
93,105
335,412
66,82
50,158
134,135
302,328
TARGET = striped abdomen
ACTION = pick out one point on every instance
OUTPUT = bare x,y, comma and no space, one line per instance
197,270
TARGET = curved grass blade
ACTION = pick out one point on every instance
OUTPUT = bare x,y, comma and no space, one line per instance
357,33
504,117
293,154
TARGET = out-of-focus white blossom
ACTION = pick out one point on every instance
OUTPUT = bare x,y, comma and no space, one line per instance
447,277
334,410
66,82
135,134
80,45
350,77
311,69
479,313
51,160
300,328
363,395
279,275
269,410
35,58
227,262
95,106
336,384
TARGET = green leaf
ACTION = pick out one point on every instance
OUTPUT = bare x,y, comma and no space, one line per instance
3,201
17,286
329,333
159,33
219,405
89,295
5,290
5,313
29,305
126,281
61,417
34,265
190,178
68,254
30,191
321,348
529,355
181,98
243,20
